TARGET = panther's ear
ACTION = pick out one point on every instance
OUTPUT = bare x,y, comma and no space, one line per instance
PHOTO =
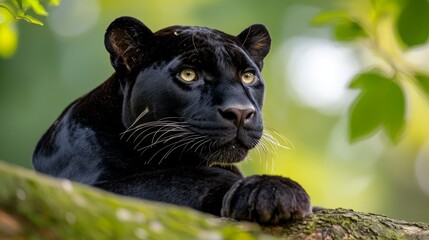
257,41
125,40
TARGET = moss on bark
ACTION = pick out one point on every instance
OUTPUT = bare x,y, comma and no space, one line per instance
33,206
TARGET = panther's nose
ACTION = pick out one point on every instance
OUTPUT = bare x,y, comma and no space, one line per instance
239,115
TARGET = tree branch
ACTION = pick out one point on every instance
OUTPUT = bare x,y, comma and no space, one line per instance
39,207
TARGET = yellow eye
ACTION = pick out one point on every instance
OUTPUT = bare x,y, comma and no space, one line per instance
188,75
248,77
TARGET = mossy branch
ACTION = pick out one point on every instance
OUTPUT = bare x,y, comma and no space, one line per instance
33,206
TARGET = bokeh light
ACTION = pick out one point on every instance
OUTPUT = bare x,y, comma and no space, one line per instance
319,71
74,17
422,168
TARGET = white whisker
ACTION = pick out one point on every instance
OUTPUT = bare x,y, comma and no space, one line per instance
146,110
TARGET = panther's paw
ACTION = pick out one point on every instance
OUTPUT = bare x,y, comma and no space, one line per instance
266,200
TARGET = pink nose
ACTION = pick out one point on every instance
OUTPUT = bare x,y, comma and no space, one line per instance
238,116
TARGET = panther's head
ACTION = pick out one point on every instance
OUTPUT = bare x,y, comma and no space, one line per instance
191,94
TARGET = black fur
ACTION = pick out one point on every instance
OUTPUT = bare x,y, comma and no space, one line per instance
148,133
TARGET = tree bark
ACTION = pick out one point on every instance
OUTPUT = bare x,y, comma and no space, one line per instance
33,206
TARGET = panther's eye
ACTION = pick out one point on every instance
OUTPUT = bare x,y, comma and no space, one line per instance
248,77
188,75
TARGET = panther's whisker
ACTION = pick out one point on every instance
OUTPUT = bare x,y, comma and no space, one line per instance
157,124
211,145
270,138
145,136
137,129
171,127
174,148
268,149
271,146
152,133
152,123
180,136
202,142
185,142
283,138
184,148
259,153
201,145
145,111
262,147
191,138
140,131
174,136
156,153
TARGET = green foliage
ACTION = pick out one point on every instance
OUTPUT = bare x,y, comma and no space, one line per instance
345,29
330,17
423,82
348,31
380,104
11,10
19,8
389,28
413,23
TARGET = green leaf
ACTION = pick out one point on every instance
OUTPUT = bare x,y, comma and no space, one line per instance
345,28
9,8
413,23
54,2
19,2
30,19
423,83
381,104
36,6
21,6
348,30
330,17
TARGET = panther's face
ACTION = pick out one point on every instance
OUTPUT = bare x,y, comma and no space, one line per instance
191,94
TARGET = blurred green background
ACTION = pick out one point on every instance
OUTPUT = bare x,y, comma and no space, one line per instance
307,99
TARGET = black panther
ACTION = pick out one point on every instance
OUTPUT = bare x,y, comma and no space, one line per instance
183,106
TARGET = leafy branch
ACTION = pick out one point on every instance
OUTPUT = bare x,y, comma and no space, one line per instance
388,28
19,9
14,10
